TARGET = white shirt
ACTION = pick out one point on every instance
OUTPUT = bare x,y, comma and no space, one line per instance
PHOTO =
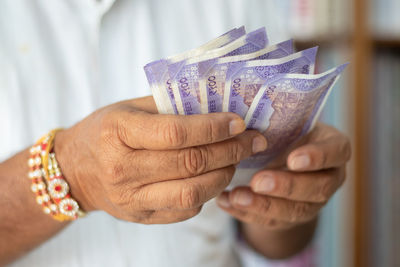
61,60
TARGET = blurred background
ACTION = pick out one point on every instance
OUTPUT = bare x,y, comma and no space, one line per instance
361,225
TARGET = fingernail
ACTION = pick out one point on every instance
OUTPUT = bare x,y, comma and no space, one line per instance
236,127
223,201
243,198
265,184
300,162
259,144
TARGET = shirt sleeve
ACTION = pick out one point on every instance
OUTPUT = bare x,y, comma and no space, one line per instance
250,258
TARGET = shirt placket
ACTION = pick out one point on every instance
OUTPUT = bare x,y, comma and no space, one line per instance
96,10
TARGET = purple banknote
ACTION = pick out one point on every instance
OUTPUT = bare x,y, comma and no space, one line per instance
244,79
184,75
158,76
286,108
212,73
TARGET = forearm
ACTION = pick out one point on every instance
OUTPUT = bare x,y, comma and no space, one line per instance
278,244
23,225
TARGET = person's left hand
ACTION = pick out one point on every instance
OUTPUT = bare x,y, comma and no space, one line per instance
292,194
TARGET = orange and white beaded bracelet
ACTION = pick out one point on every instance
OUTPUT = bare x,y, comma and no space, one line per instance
51,189
59,190
39,186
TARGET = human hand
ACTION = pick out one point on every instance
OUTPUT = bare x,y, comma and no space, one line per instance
150,168
293,194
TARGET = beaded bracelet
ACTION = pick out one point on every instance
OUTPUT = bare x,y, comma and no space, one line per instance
39,186
48,183
59,190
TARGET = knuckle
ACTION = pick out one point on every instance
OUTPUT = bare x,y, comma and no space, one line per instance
236,151
301,211
211,132
174,134
328,187
190,197
194,160
265,205
288,186
331,182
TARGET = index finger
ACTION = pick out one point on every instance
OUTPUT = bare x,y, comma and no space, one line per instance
141,130
332,152
183,194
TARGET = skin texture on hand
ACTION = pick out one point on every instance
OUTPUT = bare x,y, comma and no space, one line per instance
150,168
132,163
282,202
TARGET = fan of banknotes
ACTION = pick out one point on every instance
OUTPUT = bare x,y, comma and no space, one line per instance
273,88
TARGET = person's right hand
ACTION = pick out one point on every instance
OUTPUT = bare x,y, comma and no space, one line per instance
150,168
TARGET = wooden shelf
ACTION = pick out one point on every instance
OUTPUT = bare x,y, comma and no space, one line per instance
362,44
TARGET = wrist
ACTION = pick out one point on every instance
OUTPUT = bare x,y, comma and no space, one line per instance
278,243
65,152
